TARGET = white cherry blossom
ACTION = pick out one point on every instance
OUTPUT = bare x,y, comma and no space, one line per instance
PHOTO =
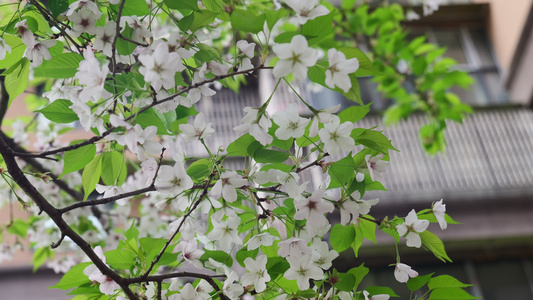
25,33
339,69
439,210
107,285
4,48
160,67
227,185
262,239
198,131
39,51
412,227
291,125
376,166
173,180
257,125
302,269
352,207
294,58
225,232
104,37
376,297
403,272
257,274
307,9
336,136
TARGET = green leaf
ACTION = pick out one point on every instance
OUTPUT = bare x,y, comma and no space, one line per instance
445,281
64,65
270,156
199,169
354,113
73,278
273,16
59,111
342,237
124,47
151,118
77,159
247,21
201,18
17,50
219,256
367,228
182,4
17,81
153,246
346,282
450,294
19,227
239,147
58,7
91,175
418,282
276,266
372,139
214,5
435,245
114,170
120,259
318,28
359,273
341,172
135,8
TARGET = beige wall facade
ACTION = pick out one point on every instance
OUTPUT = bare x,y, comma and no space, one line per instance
506,22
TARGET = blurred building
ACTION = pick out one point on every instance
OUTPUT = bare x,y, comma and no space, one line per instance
485,177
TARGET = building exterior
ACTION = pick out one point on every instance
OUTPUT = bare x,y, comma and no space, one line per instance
485,177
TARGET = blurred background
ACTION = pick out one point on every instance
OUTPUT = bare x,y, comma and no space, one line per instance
485,176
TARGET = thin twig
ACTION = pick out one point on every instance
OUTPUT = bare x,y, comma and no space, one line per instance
184,218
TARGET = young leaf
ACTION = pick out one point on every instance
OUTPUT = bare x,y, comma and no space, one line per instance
73,278
17,80
445,281
342,172
59,112
91,176
247,21
342,237
114,170
270,156
450,294
77,159
359,273
435,245
64,65
346,282
58,7
418,282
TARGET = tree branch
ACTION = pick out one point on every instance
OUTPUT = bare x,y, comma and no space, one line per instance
43,204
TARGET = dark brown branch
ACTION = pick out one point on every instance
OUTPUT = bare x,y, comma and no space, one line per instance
147,189
4,99
56,244
132,41
43,204
208,278
63,210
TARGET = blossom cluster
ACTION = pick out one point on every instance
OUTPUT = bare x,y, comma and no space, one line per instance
135,88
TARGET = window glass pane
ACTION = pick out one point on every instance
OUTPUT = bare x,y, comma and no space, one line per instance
451,40
503,280
483,48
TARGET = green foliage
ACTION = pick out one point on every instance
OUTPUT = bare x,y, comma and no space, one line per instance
78,158
59,111
341,237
